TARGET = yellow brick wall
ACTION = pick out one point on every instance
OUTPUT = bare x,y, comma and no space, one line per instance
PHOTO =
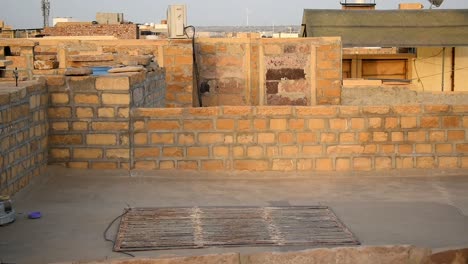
285,138
23,134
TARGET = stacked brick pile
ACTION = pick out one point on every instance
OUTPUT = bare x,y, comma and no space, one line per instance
120,31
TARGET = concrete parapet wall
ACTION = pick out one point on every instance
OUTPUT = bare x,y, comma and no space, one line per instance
120,31
23,134
320,138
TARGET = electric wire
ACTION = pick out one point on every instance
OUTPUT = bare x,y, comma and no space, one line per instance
109,227
195,63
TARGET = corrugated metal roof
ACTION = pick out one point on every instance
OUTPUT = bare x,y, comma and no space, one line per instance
390,28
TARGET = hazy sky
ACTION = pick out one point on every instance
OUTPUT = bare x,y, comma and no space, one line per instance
27,13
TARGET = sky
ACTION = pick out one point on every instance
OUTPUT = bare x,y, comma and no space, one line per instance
27,13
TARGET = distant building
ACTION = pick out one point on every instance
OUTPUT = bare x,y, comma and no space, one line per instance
110,18
56,20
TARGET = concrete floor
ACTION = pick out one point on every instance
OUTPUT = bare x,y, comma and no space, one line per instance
422,208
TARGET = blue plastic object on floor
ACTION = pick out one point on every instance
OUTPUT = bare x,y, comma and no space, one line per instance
34,215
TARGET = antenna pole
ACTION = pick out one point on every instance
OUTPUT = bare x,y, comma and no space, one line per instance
45,6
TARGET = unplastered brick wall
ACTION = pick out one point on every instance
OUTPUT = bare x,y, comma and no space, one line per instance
23,134
304,71
20,53
173,55
288,138
89,117
120,31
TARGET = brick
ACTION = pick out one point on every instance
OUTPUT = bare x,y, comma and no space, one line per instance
186,139
238,151
86,99
343,164
362,164
405,149
328,111
444,148
284,165
237,110
451,121
425,162
437,136
289,151
405,163
417,136
436,108
462,148
84,112
306,138
430,122
59,112
328,137
376,110
113,83
65,139
139,125
278,124
407,109
465,121
380,136
460,108
212,165
345,149
409,122
268,111
391,122
173,152
312,150
398,136
251,165
387,149
266,138
383,163
148,152
349,110
87,153
163,125
286,138
106,112
464,162
297,124
115,99
162,138
80,126
166,165
261,124
101,139
324,164
225,124
370,149
187,165
338,124
375,122
198,152
347,137
357,123
145,165
316,124
141,138
198,125
104,165
60,126
220,151
243,125
158,112
448,162
77,165
118,153
246,138
59,98
114,126
59,153
305,165
456,135
255,152
423,148
210,138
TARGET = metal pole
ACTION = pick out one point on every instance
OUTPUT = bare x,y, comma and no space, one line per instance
453,69
443,69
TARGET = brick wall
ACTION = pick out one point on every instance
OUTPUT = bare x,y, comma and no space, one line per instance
174,55
320,138
89,117
23,134
120,31
303,71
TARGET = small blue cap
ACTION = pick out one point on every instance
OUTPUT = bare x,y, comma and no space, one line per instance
34,215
